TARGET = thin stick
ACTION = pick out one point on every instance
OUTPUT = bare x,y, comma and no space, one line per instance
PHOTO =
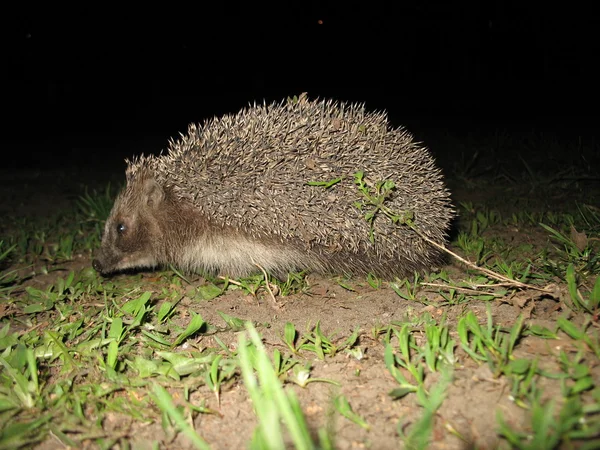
489,272
267,285
229,280
467,290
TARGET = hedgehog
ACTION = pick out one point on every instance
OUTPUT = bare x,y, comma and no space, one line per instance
297,185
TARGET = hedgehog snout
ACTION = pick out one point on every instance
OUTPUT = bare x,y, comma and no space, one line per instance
100,262
97,265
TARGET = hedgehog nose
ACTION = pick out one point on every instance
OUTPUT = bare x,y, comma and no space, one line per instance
96,265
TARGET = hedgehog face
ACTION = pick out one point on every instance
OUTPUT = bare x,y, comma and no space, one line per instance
131,232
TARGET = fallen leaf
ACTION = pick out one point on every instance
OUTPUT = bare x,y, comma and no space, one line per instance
579,238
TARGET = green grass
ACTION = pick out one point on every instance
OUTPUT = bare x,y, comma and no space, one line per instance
78,351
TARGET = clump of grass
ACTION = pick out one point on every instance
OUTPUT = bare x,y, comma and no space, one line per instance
173,414
551,425
574,251
7,277
272,403
96,206
490,344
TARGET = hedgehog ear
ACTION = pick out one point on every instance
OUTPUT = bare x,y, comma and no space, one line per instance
153,193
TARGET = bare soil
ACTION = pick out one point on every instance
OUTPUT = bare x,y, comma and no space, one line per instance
472,400
471,403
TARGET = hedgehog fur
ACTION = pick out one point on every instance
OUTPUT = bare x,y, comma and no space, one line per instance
235,194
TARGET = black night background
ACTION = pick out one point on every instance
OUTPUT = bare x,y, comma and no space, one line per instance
84,82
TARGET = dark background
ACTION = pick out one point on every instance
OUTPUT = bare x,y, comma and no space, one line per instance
82,82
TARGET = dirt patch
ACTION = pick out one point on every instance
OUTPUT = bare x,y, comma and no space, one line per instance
467,417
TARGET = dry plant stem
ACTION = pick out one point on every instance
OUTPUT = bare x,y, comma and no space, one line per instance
229,280
267,285
237,283
466,290
477,286
489,272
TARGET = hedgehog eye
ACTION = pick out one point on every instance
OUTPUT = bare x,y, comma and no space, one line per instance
121,228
